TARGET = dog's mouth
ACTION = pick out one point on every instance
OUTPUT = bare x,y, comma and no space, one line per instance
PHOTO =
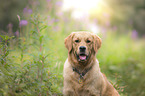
82,57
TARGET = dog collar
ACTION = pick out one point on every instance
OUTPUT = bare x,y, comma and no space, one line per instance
81,74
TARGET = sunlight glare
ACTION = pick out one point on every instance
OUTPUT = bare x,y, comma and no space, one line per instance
87,10
83,5
81,8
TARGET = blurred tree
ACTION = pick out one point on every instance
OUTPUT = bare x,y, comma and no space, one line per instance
128,13
8,13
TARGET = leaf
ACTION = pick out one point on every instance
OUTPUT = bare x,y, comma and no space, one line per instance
7,53
12,37
43,27
40,39
2,36
21,56
46,56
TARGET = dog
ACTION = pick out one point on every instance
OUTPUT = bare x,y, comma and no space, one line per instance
82,75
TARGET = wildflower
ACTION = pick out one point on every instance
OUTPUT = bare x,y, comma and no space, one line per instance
18,18
27,11
107,23
134,34
59,3
51,21
48,0
104,30
59,14
106,15
23,23
34,2
30,11
56,20
114,28
10,27
17,33
56,28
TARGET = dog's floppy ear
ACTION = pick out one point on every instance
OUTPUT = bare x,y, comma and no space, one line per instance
97,42
68,42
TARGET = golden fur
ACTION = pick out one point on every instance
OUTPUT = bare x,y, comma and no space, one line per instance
94,82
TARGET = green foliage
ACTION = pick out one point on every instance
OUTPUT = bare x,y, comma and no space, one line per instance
26,74
4,49
122,60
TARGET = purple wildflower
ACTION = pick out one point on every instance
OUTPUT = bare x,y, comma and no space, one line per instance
104,30
134,34
17,33
56,20
48,0
107,23
95,20
51,21
56,28
30,11
10,25
34,2
23,23
106,15
59,13
59,3
27,11
114,28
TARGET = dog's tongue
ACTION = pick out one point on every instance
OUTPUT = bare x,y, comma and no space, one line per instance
82,57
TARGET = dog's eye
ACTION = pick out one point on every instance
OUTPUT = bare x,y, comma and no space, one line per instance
77,41
88,41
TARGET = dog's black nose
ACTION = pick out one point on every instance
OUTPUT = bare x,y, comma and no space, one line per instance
82,48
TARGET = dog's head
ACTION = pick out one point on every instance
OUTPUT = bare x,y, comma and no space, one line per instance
82,45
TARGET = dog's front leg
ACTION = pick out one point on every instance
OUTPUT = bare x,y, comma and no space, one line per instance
98,94
68,92
67,89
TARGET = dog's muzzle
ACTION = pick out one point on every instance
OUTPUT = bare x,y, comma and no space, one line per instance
82,56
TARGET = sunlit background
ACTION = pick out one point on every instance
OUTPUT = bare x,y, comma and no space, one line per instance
32,51
85,10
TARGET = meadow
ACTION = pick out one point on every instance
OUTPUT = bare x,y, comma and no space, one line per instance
31,60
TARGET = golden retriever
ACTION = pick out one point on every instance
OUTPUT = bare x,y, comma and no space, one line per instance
82,75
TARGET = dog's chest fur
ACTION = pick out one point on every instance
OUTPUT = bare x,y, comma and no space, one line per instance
87,87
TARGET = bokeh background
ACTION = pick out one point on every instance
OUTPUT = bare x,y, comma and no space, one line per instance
32,51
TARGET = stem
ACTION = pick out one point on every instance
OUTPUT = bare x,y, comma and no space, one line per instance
39,36
20,32
22,59
41,74
42,69
40,48
5,50
38,30
38,73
